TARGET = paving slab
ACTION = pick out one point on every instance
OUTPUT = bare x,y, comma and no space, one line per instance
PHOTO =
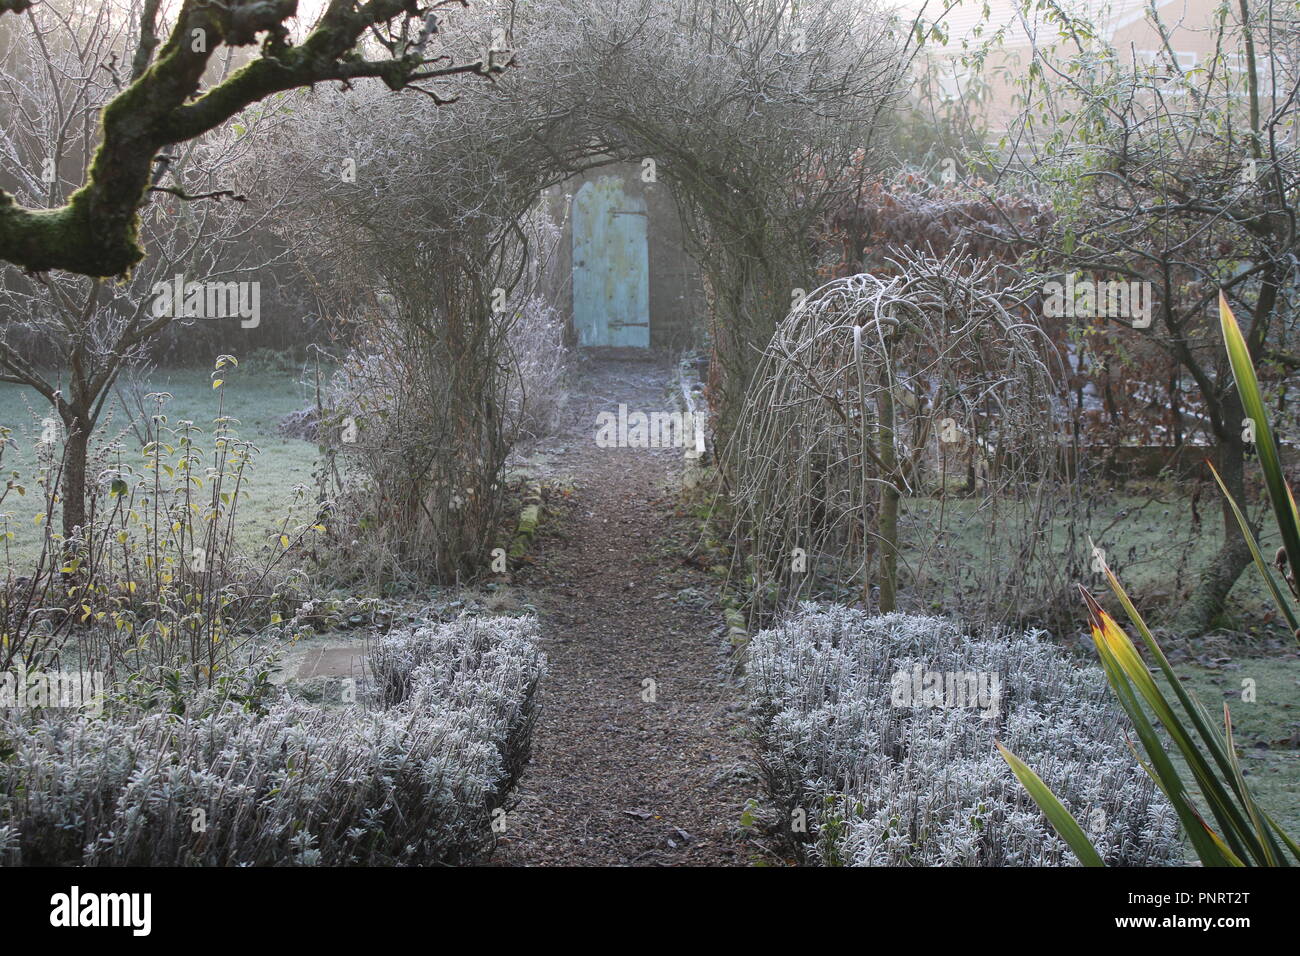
333,662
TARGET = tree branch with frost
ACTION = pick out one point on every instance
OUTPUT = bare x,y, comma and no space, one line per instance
96,232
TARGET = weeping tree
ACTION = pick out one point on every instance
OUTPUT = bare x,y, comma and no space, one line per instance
900,447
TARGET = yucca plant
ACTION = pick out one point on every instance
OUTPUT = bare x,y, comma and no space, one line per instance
1243,834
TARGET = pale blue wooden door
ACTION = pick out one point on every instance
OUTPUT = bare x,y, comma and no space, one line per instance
611,266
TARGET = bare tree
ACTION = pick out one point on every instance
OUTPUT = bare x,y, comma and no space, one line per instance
1186,180
164,102
60,68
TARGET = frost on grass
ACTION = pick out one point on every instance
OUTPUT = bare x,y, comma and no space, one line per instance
418,781
885,777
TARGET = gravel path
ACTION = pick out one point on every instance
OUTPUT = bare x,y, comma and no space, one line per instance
616,778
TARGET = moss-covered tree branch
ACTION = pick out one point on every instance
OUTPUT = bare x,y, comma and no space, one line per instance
96,232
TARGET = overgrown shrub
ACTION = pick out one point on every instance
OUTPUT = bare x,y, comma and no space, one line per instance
537,391
155,586
415,781
886,778
421,422
456,351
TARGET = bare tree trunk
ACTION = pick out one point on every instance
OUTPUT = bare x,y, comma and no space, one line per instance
1220,572
73,483
888,503
1175,407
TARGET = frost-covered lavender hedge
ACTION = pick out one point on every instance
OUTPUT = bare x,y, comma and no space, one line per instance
415,781
875,756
